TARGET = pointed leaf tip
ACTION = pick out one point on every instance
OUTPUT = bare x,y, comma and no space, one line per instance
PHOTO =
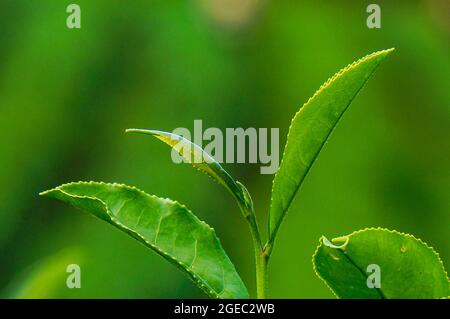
311,128
204,162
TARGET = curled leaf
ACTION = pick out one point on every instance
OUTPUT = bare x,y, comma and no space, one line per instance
201,160
163,225
406,267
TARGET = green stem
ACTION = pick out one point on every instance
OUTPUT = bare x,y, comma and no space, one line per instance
261,254
261,258
261,275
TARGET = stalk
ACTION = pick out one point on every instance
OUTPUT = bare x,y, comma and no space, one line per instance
261,258
261,275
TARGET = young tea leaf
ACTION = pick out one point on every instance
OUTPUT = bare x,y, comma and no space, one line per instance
311,128
379,263
163,225
201,160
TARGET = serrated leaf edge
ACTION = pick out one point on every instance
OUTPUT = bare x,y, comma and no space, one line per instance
322,87
371,229
199,281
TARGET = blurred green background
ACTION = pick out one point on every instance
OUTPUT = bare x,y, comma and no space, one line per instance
66,97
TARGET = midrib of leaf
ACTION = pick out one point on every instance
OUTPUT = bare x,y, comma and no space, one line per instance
273,233
342,251
206,163
196,278
379,290
316,155
111,219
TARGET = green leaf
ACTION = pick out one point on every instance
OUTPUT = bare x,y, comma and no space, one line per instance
204,162
310,129
408,267
163,225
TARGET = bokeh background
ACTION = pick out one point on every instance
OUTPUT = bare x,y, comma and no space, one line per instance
66,97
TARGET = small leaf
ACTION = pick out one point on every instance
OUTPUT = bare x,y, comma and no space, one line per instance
201,160
163,225
310,130
408,267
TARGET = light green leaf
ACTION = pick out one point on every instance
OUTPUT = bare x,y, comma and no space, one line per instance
203,161
408,267
163,225
310,129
